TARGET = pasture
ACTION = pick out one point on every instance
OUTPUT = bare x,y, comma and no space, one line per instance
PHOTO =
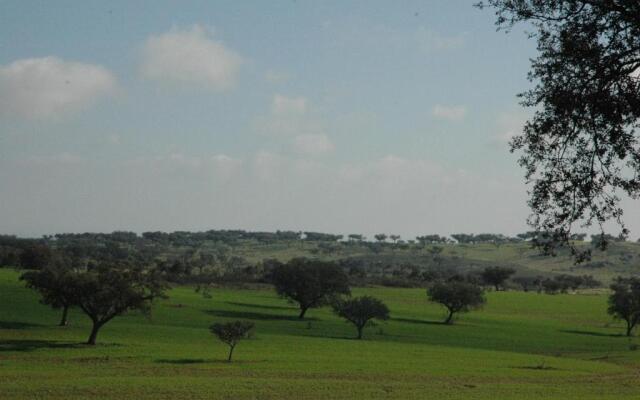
519,346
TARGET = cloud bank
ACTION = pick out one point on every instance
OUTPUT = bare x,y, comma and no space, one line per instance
192,56
50,87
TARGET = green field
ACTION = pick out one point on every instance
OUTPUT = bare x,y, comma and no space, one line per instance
519,346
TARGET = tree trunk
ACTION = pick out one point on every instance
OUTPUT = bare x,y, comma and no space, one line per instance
449,318
629,328
359,332
230,353
94,333
65,313
303,310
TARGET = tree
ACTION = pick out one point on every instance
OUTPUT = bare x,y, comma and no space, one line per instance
497,276
310,283
108,290
231,333
361,310
54,283
624,301
394,238
528,282
380,237
580,148
35,256
456,297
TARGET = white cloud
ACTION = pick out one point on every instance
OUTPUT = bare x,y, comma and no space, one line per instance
312,144
50,87
190,56
451,113
510,125
225,167
59,159
283,105
276,77
289,116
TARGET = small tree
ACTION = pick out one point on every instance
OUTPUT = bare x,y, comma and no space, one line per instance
231,333
394,238
380,237
496,276
107,291
310,283
361,310
54,285
456,296
624,302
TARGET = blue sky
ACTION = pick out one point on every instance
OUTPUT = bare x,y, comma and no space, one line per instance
364,116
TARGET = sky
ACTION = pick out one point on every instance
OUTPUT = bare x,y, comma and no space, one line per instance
343,117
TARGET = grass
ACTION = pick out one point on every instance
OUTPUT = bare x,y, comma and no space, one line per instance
520,346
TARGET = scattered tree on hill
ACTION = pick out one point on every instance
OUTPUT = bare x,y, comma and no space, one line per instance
624,302
497,276
356,237
456,297
231,333
528,282
360,311
310,283
581,145
380,237
36,256
54,283
107,291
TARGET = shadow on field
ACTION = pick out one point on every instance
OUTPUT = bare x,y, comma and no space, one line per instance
540,367
249,305
591,333
30,345
419,321
182,361
256,315
17,325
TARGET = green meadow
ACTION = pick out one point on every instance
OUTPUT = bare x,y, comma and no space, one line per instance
519,346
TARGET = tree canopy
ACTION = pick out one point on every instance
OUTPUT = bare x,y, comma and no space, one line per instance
310,283
107,291
360,311
580,148
231,333
456,296
497,276
624,301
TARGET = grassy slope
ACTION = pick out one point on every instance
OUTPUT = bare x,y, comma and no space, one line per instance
621,258
492,353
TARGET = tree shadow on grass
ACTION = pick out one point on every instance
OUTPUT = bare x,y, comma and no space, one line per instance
188,361
540,367
249,305
591,333
17,325
30,345
256,316
182,361
420,321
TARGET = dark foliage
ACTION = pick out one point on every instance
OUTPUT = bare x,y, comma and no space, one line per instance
497,276
580,149
456,297
360,311
231,333
310,283
624,302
